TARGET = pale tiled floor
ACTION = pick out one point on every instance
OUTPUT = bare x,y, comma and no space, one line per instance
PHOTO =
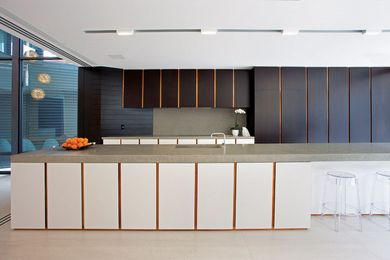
321,242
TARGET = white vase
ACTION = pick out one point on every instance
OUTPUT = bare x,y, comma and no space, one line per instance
235,132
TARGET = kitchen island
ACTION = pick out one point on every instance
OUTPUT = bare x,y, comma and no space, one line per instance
183,187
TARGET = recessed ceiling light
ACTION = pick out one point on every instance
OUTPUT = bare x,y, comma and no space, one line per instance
125,32
371,32
208,31
290,31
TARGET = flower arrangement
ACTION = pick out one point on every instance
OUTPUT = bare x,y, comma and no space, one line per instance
236,128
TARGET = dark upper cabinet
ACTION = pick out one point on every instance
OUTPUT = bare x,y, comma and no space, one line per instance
242,88
187,88
205,88
170,88
132,88
224,88
152,84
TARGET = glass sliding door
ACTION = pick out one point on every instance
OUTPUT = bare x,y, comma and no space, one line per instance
49,103
5,113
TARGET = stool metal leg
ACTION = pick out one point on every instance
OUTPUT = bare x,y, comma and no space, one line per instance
344,197
389,203
373,195
323,203
359,215
337,206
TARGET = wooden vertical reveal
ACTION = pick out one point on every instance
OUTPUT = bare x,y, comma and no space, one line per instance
196,89
234,89
123,88
178,88
143,88
235,196
196,198
82,197
119,195
273,193
157,196
215,88
46,202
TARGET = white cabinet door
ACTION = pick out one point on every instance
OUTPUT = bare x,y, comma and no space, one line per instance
292,195
228,141
215,195
176,195
138,195
206,141
148,141
167,141
101,195
27,195
254,195
112,141
64,195
187,141
245,140
130,141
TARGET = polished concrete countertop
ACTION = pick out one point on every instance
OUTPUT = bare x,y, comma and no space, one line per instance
174,137
204,153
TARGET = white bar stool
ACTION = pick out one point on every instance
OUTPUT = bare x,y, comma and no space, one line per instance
380,177
341,179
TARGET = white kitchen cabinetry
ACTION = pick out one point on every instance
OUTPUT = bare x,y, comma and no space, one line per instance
292,195
176,195
254,195
112,141
138,195
228,141
187,141
64,195
167,141
215,195
245,140
206,141
28,195
148,141
101,195
130,141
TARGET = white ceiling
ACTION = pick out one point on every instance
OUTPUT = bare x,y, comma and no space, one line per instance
63,23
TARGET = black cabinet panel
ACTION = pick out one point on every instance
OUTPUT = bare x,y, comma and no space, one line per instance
206,88
170,88
360,105
317,79
152,88
293,105
132,88
243,88
380,104
267,105
224,88
338,105
187,88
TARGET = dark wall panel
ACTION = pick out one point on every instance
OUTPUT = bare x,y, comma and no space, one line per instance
380,104
170,88
151,88
187,88
132,88
267,105
317,105
224,88
338,105
89,104
360,105
243,85
206,88
293,105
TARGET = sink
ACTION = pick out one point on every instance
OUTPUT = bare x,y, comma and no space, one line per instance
199,146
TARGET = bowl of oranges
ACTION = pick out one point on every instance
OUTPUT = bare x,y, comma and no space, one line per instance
76,143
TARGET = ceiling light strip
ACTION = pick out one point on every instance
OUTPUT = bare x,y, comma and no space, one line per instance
41,41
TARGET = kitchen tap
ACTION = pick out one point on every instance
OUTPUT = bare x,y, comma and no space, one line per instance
219,134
